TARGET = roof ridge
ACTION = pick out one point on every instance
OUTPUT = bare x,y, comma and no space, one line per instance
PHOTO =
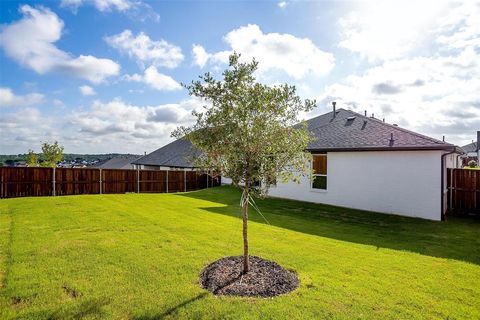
141,157
400,128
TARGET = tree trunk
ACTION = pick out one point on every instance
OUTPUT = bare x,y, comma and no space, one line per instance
246,264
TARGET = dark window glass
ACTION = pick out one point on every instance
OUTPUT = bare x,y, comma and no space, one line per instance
319,182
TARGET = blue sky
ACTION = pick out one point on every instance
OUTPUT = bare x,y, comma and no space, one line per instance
104,76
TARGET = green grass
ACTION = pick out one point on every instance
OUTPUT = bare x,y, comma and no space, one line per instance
138,256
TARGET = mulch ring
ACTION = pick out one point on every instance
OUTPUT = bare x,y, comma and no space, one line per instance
265,278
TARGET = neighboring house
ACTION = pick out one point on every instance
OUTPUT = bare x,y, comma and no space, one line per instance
20,163
359,162
471,151
174,156
121,162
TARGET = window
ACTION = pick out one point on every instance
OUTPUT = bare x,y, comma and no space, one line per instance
319,166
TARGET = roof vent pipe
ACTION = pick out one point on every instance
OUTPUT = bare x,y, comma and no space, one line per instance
443,138
365,113
391,139
334,109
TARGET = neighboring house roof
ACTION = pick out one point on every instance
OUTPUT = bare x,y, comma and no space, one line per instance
123,162
469,148
351,131
180,153
348,131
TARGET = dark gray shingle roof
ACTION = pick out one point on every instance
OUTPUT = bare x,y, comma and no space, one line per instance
123,162
180,153
471,147
348,131
352,131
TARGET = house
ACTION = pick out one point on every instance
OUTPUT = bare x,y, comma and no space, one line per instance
177,155
365,163
471,151
358,162
120,162
20,163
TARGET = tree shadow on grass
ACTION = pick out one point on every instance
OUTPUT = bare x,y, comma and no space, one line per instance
91,308
456,238
172,310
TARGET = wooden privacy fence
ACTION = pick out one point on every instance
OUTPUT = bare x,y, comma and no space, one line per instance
32,182
463,191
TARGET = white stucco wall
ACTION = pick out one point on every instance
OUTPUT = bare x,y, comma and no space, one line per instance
397,182
226,180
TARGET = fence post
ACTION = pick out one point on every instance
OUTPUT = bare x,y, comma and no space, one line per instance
100,181
5,188
450,187
167,181
53,183
138,180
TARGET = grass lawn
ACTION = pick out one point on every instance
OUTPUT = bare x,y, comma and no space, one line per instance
138,256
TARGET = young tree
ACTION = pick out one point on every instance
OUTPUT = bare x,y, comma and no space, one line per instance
52,153
32,159
250,133
472,164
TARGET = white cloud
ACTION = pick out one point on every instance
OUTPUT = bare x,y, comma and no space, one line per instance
136,9
87,90
155,80
200,56
297,57
146,50
58,103
282,4
461,27
101,5
90,68
9,99
112,126
389,29
25,129
435,93
130,123
436,96
40,28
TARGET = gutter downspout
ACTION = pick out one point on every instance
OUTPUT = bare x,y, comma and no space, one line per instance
442,177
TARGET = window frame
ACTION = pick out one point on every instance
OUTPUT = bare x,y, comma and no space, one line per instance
319,174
